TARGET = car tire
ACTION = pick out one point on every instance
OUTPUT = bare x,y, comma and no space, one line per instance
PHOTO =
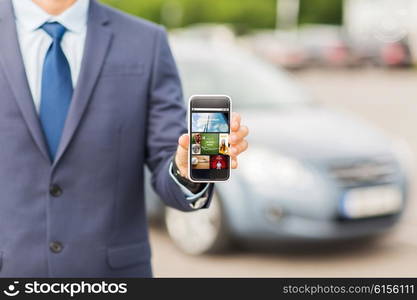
200,232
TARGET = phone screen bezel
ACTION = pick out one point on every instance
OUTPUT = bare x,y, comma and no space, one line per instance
207,101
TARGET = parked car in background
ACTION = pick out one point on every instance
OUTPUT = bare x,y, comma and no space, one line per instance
281,48
380,31
327,46
308,46
311,173
383,54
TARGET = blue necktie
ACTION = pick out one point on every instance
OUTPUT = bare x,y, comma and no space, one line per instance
56,90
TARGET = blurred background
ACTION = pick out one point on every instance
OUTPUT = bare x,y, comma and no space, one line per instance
328,89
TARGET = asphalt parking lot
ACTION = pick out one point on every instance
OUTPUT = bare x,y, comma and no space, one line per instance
386,98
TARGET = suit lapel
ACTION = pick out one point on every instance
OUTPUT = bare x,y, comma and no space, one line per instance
98,40
12,62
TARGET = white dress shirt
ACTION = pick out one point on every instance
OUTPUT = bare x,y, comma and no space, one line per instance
35,42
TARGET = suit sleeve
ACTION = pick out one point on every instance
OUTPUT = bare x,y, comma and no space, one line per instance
166,123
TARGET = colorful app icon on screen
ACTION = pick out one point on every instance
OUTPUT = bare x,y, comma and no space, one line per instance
210,122
224,143
196,143
219,162
201,162
209,143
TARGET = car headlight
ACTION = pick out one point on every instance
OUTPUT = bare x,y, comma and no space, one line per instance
266,171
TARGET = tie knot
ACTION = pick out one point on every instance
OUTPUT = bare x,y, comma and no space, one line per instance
55,30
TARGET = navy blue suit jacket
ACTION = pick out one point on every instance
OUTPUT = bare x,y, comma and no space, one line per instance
83,215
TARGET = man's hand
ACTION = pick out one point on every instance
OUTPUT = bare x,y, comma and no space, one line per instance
237,142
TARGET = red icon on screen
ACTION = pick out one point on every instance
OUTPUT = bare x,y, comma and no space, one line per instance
219,162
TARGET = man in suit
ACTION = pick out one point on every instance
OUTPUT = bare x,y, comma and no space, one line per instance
89,96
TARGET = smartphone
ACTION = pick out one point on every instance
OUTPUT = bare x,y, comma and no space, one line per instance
209,130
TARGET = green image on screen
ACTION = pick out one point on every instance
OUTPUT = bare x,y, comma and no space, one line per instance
210,143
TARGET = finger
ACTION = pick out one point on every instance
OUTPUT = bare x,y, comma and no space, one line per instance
234,164
184,141
237,137
236,119
239,148
235,126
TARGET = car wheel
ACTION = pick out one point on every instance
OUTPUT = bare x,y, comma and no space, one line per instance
199,232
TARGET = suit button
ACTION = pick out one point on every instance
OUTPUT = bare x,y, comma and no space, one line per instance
55,190
55,247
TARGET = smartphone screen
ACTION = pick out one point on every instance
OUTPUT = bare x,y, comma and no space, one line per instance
209,138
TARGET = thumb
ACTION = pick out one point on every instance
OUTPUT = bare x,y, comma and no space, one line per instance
183,142
182,151
182,154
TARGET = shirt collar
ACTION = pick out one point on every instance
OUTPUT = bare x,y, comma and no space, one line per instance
31,16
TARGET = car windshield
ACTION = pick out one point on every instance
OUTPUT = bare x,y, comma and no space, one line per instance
252,84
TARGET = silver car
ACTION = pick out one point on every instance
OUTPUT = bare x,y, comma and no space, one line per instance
310,174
